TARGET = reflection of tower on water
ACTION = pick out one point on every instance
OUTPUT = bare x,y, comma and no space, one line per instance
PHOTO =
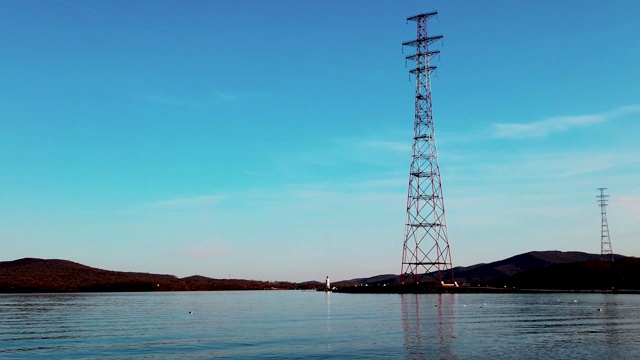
328,318
612,324
411,325
428,324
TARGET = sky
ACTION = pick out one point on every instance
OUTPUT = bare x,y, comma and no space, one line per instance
271,140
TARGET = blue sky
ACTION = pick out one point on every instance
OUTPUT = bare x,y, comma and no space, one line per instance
271,139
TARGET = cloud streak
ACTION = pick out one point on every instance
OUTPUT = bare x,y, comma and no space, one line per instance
207,251
187,102
548,126
632,201
102,12
183,203
629,208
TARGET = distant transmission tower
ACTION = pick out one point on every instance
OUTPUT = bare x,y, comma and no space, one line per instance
426,243
606,254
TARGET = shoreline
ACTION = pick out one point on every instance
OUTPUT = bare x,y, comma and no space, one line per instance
430,289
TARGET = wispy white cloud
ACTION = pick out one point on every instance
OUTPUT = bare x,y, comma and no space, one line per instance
172,100
205,251
101,12
558,124
625,211
545,127
378,151
226,96
187,101
395,146
630,201
630,204
623,111
182,203
594,163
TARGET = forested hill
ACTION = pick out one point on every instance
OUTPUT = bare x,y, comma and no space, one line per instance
44,275
533,270
496,270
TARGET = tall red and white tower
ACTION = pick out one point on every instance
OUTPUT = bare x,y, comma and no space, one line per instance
425,254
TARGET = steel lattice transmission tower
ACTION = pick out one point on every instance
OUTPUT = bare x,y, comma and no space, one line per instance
426,243
606,254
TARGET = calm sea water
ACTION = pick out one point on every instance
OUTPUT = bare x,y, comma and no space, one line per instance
311,325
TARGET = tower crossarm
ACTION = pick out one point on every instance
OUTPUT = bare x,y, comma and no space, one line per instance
430,54
428,40
420,69
422,16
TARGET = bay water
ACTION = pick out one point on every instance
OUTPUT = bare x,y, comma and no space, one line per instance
318,325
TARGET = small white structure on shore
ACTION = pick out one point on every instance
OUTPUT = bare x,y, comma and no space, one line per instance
327,284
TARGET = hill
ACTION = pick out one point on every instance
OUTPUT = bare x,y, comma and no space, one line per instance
508,267
496,270
623,273
532,270
53,275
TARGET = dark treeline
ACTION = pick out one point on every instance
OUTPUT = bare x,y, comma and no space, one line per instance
624,273
536,270
38,275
